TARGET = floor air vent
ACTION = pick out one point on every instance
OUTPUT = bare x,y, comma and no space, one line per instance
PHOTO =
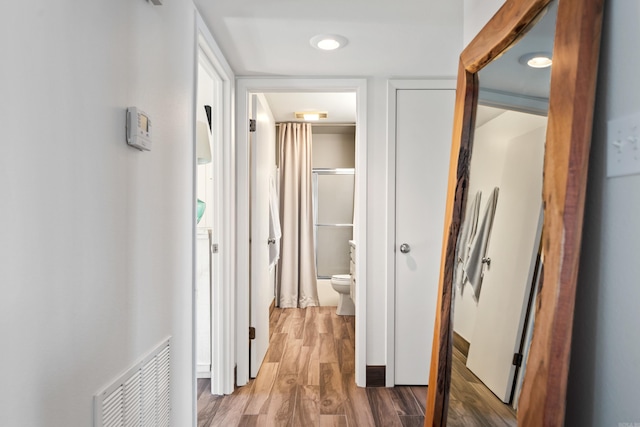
140,397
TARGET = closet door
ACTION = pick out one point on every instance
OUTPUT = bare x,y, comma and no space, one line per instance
424,119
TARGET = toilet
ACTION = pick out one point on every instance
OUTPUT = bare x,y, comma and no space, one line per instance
341,283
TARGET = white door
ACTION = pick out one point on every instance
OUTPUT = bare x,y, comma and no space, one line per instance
263,147
203,303
424,123
513,248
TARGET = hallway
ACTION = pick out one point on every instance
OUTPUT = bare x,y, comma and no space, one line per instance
307,378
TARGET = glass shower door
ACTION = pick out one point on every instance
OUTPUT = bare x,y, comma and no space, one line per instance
333,191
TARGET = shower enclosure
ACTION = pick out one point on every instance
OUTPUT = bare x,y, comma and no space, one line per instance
333,191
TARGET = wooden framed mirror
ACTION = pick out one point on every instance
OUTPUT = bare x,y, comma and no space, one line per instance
566,150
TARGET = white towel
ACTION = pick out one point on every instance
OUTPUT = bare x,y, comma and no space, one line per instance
465,237
275,232
474,267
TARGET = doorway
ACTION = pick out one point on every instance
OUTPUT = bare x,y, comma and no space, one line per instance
245,89
217,185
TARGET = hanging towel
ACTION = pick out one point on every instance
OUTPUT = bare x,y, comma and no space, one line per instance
474,267
275,232
465,237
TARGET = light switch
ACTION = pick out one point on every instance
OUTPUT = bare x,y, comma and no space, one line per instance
623,146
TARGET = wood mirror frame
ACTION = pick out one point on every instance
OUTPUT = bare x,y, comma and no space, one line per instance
569,128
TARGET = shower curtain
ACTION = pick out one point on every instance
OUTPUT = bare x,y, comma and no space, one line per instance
296,284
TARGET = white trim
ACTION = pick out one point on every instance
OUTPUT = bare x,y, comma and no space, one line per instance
246,87
393,85
194,277
223,296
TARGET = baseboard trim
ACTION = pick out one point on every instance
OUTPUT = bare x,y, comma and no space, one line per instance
461,344
203,371
376,375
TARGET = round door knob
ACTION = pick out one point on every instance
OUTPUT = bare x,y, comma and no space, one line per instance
404,248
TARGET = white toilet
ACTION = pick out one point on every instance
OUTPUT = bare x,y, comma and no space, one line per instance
341,283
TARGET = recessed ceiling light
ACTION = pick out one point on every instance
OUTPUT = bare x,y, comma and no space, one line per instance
536,60
328,42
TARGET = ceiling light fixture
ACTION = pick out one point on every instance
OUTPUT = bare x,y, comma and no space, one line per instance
310,115
536,60
328,42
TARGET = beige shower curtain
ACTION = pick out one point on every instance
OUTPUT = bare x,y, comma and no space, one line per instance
296,284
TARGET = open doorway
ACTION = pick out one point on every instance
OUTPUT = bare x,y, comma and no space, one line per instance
247,88
302,199
213,220
207,215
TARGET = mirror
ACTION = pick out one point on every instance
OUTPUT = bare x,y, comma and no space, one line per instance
566,146
501,225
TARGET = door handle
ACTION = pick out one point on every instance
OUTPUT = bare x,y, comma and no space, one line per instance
405,248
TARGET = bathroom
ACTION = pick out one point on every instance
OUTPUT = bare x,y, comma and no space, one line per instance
333,178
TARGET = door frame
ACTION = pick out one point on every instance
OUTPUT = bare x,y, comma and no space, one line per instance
222,292
245,87
393,86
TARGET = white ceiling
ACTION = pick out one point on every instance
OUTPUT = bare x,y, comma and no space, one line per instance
400,38
341,107
386,38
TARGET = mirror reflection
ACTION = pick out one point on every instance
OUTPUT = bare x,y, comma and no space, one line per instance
498,249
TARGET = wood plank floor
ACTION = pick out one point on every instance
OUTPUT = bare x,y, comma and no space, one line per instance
307,379
471,403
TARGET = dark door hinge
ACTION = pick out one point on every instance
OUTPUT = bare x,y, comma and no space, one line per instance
517,359
252,125
252,333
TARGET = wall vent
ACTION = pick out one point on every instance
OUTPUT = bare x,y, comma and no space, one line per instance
140,397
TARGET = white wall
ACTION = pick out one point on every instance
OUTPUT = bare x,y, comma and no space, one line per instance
476,14
96,237
376,221
604,381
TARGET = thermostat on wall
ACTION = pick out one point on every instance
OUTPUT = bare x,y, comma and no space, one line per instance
138,129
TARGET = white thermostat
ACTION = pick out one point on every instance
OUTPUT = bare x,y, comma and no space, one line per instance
138,129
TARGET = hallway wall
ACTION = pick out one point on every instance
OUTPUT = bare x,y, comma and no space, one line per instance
95,237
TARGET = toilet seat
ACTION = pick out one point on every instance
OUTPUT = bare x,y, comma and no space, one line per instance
341,279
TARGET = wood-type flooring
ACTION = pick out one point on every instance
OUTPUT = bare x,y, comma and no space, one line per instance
471,403
307,379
